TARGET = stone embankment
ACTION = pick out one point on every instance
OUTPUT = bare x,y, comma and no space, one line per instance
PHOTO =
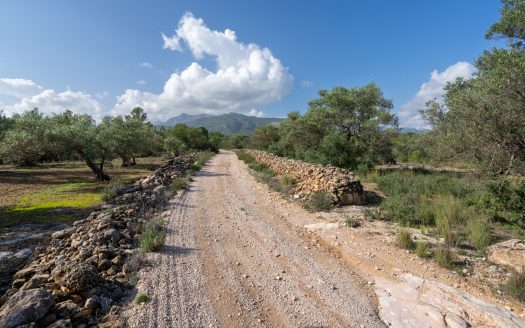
341,183
83,273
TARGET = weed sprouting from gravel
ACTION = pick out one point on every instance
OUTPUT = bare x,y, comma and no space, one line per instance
142,298
351,222
152,238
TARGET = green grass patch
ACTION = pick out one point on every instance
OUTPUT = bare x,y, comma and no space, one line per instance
152,237
142,298
77,194
245,157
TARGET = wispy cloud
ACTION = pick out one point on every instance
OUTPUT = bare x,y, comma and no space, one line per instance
141,82
432,89
306,83
145,65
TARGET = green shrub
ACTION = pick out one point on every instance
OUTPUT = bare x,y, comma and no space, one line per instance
421,249
111,189
195,167
404,239
152,237
443,255
319,201
178,184
479,233
515,286
142,298
245,157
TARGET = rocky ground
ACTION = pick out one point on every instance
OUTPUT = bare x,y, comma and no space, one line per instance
80,277
239,255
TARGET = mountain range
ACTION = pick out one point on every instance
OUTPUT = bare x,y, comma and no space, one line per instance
227,124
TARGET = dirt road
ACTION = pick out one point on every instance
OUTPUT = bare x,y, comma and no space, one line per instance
235,256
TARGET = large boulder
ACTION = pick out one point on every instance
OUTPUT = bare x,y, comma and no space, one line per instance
25,306
510,253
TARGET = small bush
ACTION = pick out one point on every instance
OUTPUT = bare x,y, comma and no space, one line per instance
515,286
351,222
479,233
444,256
319,201
152,238
136,262
178,184
404,239
372,214
287,181
111,189
421,249
142,298
195,167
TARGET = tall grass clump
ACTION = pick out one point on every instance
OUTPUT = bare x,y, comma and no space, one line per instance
448,214
404,239
421,249
515,286
152,237
444,256
111,189
178,184
479,233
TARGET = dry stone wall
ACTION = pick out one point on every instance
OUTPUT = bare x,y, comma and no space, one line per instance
342,184
84,272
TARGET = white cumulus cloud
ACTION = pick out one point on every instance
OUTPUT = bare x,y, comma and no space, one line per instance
29,95
432,89
246,76
18,88
256,113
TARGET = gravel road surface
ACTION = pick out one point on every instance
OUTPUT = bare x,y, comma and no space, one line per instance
237,256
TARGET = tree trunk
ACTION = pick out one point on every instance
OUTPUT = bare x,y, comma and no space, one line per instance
125,161
98,170
134,161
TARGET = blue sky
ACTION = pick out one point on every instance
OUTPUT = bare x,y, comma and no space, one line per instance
84,54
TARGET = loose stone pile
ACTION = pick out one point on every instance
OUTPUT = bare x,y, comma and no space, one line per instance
342,184
80,276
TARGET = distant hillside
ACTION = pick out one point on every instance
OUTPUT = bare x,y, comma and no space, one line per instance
183,118
228,124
